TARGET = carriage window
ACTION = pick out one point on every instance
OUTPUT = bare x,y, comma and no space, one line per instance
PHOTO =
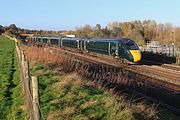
91,44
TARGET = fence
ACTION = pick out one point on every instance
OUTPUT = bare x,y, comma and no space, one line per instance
32,102
168,51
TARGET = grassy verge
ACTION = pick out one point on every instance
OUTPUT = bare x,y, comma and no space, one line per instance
66,95
11,99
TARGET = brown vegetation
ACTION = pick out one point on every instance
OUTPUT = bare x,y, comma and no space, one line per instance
140,31
99,77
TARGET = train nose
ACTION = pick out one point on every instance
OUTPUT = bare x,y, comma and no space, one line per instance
136,55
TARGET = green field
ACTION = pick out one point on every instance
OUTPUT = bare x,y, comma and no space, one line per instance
12,105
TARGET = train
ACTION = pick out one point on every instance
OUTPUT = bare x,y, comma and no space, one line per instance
124,49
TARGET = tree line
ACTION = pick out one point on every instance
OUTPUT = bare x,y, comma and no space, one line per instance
140,31
15,31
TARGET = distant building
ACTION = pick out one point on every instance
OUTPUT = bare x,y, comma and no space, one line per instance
23,36
156,47
153,44
70,36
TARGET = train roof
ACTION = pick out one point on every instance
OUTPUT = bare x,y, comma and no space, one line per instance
110,40
69,38
88,39
99,40
46,37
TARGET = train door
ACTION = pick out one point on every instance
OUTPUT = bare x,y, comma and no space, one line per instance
41,40
78,44
85,45
112,47
49,41
81,44
121,50
61,43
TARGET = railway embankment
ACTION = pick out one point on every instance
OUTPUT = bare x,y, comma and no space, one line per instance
100,76
159,85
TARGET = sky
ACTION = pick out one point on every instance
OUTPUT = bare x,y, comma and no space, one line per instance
69,14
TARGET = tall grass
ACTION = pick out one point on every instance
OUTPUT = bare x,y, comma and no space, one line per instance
109,77
102,77
68,96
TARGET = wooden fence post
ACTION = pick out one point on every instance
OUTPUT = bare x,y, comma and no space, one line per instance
35,98
32,102
27,77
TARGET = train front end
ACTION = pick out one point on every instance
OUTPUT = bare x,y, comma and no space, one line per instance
136,54
133,51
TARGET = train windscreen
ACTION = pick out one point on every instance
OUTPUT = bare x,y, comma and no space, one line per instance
131,45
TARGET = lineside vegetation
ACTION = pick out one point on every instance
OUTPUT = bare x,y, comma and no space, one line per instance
66,95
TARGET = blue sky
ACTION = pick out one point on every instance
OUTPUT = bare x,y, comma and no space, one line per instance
68,14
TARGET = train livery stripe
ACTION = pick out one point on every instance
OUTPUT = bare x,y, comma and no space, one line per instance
136,55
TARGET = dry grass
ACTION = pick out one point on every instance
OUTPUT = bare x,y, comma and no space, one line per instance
70,79
91,103
104,79
43,56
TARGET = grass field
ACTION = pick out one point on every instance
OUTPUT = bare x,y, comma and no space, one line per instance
11,98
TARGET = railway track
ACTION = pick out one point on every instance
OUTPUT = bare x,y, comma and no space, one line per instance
165,74
174,67
169,66
161,78
165,105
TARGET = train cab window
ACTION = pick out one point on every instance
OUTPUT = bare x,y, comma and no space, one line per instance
131,45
